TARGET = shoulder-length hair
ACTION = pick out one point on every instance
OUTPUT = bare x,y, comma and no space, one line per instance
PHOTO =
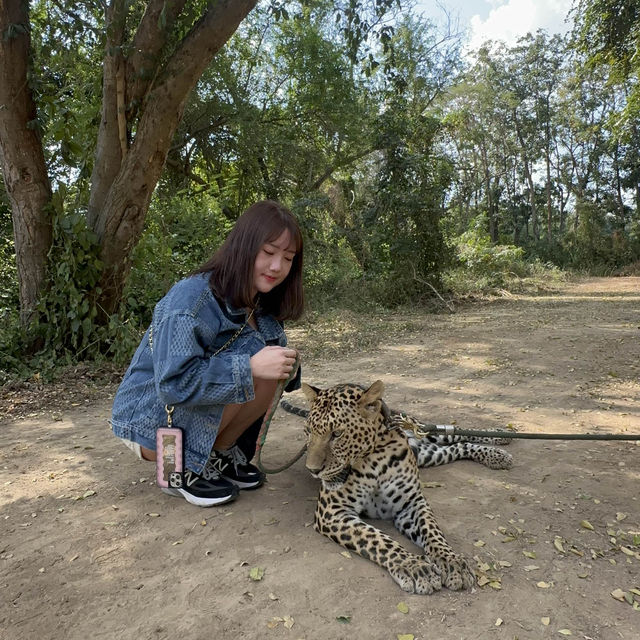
232,265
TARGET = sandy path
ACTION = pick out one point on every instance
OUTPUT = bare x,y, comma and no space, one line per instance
89,549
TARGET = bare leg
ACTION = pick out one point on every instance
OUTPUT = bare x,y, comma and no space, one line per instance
236,418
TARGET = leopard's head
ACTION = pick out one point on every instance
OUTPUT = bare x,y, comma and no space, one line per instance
342,428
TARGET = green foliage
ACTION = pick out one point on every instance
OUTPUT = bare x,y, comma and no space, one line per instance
8,274
331,269
483,266
65,327
181,232
405,175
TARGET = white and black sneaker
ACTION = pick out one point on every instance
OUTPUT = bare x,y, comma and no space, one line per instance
206,490
232,465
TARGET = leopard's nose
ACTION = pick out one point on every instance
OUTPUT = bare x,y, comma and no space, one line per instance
314,470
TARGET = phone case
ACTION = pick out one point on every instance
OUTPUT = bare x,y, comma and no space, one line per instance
169,457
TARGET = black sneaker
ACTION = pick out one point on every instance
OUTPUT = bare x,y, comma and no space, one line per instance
206,490
232,465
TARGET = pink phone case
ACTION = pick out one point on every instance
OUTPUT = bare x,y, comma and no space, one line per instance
169,461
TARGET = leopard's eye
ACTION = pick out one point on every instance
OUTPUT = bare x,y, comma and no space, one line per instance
337,434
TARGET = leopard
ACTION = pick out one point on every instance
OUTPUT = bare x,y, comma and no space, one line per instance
360,451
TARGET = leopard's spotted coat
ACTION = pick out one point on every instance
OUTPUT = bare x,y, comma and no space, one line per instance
368,470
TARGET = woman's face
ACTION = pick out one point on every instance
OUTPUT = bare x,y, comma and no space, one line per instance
273,263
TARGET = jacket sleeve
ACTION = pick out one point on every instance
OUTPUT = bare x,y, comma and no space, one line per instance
186,374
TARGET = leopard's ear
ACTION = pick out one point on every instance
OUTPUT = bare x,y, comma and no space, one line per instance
310,392
372,394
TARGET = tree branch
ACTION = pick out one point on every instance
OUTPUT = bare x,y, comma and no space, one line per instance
148,42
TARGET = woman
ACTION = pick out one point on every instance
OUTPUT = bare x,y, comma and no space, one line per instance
215,351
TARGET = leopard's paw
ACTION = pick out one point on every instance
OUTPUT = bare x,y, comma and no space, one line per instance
416,574
456,572
498,459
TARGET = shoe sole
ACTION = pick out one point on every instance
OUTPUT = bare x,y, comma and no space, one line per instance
199,502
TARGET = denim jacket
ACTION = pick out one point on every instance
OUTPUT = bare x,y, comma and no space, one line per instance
175,364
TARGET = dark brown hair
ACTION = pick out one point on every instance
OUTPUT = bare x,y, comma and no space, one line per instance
231,266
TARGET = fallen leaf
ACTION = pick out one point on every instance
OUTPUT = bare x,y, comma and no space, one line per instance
288,622
620,516
86,494
273,596
529,554
274,622
256,573
405,636
343,619
499,621
346,554
545,621
402,607
618,594
557,543
585,524
531,567
543,585
153,515
565,632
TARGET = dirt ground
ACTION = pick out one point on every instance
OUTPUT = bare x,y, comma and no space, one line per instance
89,548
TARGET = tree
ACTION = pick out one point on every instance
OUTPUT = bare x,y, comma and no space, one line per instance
153,54
21,154
148,72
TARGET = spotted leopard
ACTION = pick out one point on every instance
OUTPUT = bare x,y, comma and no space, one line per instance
367,470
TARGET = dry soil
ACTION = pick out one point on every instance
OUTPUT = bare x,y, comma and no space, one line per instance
90,548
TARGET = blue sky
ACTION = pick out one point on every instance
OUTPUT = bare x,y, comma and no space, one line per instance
505,20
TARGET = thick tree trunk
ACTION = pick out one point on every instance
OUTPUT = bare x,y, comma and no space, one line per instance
124,178
21,155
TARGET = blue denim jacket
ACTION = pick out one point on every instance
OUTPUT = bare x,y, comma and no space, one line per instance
175,365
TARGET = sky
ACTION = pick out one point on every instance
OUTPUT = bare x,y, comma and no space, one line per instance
505,20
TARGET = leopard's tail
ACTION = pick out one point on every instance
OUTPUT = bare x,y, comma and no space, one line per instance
298,411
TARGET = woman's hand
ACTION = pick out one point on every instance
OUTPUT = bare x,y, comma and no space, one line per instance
273,363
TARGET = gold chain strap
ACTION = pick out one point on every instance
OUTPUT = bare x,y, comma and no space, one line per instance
236,334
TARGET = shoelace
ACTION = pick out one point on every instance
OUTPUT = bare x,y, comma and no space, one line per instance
238,457
209,472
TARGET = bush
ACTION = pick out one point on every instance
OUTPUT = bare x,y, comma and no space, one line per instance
180,234
484,267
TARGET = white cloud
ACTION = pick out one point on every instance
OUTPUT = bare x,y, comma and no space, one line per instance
509,20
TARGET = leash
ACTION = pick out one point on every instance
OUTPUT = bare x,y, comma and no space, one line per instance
266,422
423,430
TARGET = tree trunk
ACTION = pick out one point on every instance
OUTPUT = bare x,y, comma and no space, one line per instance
547,154
21,156
529,178
125,176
